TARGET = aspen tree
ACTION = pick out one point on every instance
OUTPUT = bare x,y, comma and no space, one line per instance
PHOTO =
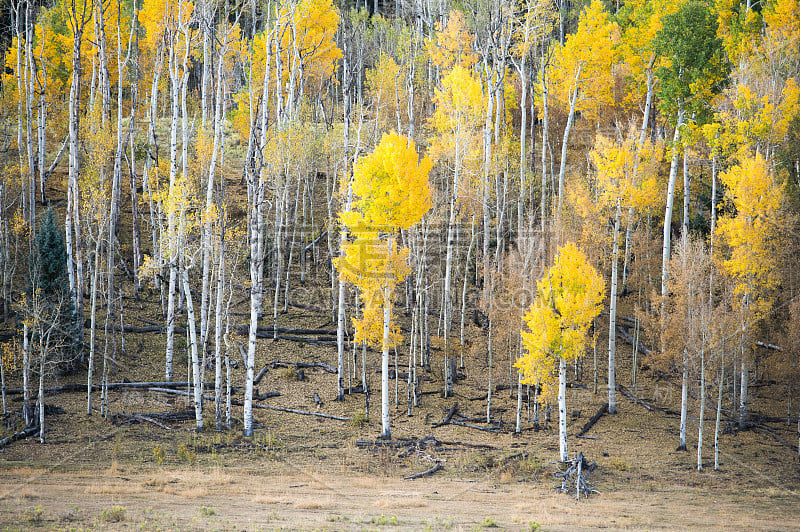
624,174
393,193
568,297
581,74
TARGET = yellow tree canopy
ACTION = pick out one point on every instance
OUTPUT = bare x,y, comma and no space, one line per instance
584,63
392,186
311,35
751,232
452,45
621,178
568,297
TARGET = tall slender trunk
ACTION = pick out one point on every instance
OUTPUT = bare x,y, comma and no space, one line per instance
451,228
719,406
573,99
702,411
198,382
340,314
545,126
684,401
27,414
612,320
93,324
743,395
387,316
673,174
562,410
208,251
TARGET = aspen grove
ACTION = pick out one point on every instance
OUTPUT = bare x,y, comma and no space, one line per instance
531,195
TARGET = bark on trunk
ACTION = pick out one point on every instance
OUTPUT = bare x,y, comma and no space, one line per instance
562,410
612,321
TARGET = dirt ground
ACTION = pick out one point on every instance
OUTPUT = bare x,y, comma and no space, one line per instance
307,498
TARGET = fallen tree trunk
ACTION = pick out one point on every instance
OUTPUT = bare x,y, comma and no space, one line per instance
449,416
772,432
81,387
589,424
303,365
303,412
624,391
625,335
26,433
260,375
430,471
471,426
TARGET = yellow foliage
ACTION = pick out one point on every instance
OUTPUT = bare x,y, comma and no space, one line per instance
582,67
452,45
386,85
392,184
10,355
751,232
393,193
568,297
311,36
622,179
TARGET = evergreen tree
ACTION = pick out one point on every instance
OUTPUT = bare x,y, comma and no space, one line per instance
47,296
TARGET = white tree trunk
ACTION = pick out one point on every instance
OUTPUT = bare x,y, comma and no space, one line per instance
198,382
719,408
545,126
218,331
93,324
673,174
702,411
387,316
573,98
743,396
684,401
562,410
612,320
26,373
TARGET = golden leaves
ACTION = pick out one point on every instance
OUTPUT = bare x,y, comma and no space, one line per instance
393,193
568,297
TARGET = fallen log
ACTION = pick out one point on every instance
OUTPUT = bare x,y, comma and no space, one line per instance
772,432
625,335
366,444
478,427
260,375
311,341
449,416
79,387
624,391
26,433
303,365
265,395
125,419
430,471
303,412
589,424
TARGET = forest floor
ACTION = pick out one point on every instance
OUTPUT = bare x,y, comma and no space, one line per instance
308,473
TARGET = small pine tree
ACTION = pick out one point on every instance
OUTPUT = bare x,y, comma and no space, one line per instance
48,289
